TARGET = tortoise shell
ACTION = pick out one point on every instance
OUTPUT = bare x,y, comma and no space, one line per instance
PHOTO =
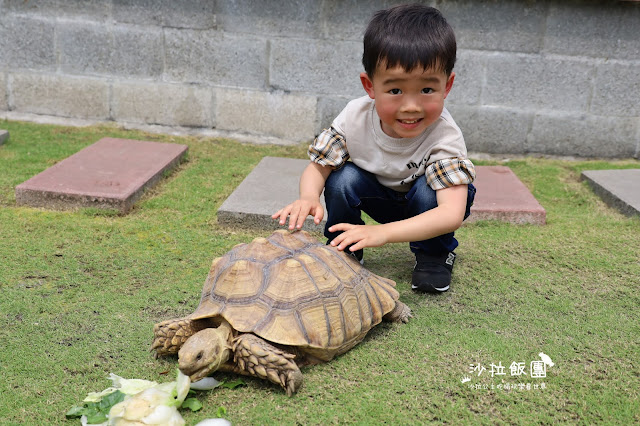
292,290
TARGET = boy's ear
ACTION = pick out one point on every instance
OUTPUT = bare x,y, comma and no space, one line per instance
449,84
367,84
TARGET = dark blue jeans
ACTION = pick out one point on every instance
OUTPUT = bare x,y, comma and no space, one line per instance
351,190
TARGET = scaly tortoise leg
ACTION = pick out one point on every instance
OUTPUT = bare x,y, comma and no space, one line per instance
170,335
258,358
401,313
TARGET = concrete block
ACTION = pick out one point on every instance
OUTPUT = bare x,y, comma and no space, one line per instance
616,189
85,48
583,135
288,116
535,82
493,130
348,20
196,14
4,102
137,52
321,66
89,48
328,110
27,43
32,7
60,96
470,71
596,29
490,25
93,10
110,174
617,90
167,104
286,18
4,136
216,57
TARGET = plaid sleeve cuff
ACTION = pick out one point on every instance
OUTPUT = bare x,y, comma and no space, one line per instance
450,172
329,149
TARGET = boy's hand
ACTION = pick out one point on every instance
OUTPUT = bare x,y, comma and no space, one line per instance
358,236
298,212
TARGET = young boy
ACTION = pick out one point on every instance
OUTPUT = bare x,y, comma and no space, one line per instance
409,169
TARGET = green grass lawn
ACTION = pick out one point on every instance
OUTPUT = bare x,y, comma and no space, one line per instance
81,290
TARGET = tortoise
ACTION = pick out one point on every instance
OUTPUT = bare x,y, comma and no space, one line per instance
276,304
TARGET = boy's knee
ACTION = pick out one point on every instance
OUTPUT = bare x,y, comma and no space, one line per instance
422,195
342,179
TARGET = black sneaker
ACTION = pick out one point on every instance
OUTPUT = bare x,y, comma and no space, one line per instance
432,274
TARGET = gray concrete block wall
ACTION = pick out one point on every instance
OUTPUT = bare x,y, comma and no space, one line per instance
57,95
146,103
4,102
541,76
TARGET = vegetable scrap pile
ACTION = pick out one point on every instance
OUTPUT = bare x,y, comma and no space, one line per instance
143,402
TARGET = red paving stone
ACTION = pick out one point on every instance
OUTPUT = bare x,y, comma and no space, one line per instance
110,174
502,196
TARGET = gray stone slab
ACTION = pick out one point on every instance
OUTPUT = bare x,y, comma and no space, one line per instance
270,186
274,183
110,174
620,189
4,135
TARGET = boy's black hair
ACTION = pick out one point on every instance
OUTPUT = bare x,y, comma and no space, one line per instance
409,36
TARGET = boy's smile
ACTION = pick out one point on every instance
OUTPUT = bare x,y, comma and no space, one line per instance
407,102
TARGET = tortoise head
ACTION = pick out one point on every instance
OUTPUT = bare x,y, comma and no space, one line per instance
204,352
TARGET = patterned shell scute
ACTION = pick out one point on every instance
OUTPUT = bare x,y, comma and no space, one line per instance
293,290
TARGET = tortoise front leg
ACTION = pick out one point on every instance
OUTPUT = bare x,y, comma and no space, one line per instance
170,335
258,358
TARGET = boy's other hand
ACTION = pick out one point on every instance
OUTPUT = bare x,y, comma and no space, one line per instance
357,237
298,212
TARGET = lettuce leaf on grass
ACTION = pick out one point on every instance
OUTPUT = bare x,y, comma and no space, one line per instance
233,384
96,411
192,404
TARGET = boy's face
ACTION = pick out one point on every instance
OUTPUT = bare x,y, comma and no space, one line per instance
407,102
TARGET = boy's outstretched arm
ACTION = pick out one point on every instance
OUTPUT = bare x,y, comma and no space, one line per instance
445,218
311,185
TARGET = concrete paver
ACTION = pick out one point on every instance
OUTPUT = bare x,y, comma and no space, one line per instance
502,196
110,174
4,135
620,189
270,186
274,183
